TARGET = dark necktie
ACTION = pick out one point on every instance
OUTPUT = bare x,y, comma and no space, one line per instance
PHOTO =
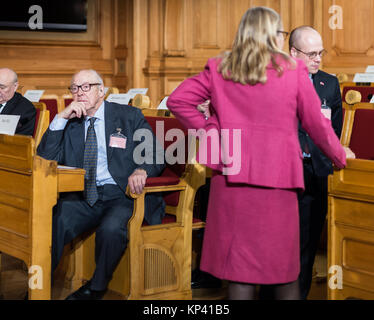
90,164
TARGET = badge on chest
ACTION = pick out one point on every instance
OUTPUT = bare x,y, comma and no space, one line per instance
325,109
117,140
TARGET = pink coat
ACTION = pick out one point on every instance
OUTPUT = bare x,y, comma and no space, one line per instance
267,116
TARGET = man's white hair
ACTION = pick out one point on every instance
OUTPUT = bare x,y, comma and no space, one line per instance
99,79
11,72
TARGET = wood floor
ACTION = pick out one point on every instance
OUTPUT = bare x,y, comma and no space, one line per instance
13,283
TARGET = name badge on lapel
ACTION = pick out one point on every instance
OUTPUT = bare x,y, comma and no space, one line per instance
326,110
117,140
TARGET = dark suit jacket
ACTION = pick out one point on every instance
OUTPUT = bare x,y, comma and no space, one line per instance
327,87
19,105
67,148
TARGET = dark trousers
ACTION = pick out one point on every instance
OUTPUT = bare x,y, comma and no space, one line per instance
109,215
312,212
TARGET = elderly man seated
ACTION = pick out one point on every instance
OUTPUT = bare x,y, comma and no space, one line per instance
13,103
99,136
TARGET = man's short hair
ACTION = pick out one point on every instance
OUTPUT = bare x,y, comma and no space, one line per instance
14,74
97,75
295,35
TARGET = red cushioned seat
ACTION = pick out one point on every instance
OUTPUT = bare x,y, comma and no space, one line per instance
362,138
366,92
169,218
52,106
167,178
172,173
67,101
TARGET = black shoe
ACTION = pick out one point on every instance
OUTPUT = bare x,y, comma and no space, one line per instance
85,293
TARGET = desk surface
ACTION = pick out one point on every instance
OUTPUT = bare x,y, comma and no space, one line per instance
70,179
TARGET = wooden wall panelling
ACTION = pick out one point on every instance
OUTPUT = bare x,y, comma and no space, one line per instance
175,63
235,12
189,32
174,29
47,60
350,49
141,20
158,43
156,50
205,24
183,34
122,22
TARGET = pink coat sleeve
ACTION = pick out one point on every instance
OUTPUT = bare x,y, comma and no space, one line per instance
190,93
313,121
183,103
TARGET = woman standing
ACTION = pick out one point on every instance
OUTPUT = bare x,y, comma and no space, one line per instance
252,231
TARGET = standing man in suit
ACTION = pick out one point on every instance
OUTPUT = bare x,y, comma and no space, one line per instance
305,43
13,103
99,136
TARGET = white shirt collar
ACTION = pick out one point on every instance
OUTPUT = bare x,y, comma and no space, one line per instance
1,109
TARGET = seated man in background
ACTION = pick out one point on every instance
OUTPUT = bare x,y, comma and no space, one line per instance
13,103
99,136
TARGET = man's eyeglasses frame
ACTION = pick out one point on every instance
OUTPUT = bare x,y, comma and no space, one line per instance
312,55
85,87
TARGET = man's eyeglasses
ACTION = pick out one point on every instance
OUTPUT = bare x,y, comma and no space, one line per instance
312,55
85,87
283,33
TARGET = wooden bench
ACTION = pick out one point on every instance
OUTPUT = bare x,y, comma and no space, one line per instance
41,121
28,191
351,211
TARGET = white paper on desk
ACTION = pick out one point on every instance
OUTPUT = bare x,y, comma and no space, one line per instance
133,92
65,167
369,69
121,98
364,77
8,124
33,95
163,105
372,99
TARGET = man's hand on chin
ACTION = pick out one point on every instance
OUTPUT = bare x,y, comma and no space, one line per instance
75,109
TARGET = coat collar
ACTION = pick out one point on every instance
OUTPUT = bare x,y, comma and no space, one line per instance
319,83
113,116
10,104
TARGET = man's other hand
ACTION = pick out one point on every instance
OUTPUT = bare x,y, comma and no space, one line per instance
137,181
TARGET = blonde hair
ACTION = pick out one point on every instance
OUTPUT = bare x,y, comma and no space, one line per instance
254,48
